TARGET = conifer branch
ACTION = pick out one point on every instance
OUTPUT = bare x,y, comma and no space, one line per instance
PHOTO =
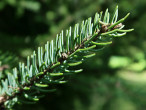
51,65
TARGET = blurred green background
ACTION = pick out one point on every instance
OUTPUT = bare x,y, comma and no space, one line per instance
113,80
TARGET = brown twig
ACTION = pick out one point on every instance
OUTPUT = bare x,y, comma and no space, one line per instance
63,57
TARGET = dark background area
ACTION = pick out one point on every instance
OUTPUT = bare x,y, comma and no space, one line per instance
115,79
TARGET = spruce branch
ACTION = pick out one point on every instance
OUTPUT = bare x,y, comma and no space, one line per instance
50,65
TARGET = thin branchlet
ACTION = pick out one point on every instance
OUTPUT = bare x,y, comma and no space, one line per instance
102,29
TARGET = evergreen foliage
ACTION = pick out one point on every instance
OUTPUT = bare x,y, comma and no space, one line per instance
50,65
